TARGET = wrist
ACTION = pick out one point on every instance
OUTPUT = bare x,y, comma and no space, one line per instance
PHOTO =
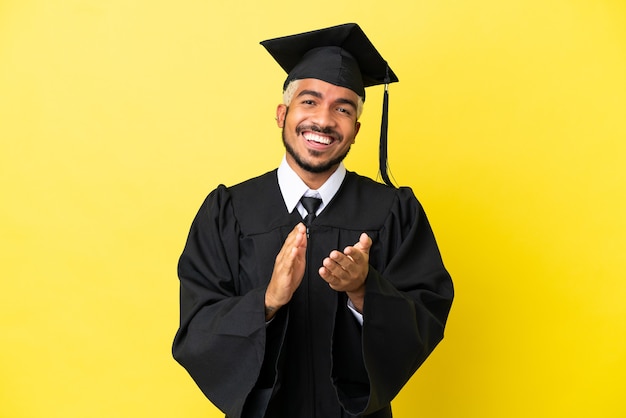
270,311
270,308
358,299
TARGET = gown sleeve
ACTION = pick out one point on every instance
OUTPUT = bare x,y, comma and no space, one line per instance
408,297
222,335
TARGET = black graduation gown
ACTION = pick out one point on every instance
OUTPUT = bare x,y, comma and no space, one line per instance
313,359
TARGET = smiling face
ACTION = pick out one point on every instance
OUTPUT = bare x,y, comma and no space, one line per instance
319,126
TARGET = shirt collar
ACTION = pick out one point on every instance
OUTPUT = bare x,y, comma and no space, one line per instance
293,188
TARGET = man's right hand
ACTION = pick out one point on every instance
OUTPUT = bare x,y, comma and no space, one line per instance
288,271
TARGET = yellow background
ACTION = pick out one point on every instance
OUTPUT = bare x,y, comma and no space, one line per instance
117,117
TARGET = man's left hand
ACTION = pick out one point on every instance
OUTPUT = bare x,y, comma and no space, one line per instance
346,271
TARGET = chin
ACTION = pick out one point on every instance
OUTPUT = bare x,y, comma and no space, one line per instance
318,168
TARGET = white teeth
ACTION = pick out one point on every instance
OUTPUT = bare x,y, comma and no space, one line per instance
309,136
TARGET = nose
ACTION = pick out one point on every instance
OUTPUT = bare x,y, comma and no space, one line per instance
324,117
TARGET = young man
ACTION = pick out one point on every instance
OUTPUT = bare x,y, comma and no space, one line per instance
311,291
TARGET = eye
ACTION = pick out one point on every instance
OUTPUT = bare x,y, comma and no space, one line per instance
308,102
344,110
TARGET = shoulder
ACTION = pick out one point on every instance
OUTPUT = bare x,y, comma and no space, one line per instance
229,198
244,191
256,204
269,179
361,188
363,203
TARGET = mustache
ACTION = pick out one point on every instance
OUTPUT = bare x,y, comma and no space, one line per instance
322,130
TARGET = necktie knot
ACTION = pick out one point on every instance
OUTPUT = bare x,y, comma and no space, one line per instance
311,204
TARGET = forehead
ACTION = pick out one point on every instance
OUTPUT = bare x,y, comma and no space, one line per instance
327,90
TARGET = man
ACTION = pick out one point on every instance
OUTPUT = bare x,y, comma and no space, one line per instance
311,291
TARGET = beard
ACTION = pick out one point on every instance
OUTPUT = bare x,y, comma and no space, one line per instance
319,168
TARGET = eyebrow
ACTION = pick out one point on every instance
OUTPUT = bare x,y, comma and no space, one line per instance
310,93
320,96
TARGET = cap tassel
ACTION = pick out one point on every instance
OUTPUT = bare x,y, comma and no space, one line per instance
382,152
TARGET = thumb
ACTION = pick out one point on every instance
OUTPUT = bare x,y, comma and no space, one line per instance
365,243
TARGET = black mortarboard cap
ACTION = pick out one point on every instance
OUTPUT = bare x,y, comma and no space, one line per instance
341,55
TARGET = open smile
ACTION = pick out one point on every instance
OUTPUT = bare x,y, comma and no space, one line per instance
316,138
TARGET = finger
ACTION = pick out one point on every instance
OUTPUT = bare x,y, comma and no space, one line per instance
355,254
331,265
297,237
333,281
333,271
365,243
294,245
343,261
360,251
325,274
297,230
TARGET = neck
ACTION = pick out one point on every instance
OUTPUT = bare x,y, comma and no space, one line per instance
313,180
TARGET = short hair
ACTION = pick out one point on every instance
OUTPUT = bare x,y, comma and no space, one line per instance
291,88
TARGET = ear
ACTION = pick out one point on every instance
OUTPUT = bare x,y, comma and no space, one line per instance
357,126
281,112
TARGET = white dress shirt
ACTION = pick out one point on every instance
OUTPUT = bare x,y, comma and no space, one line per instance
293,188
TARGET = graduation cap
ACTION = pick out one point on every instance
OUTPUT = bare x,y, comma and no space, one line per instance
340,55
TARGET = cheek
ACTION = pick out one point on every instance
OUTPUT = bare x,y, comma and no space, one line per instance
351,130
291,118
